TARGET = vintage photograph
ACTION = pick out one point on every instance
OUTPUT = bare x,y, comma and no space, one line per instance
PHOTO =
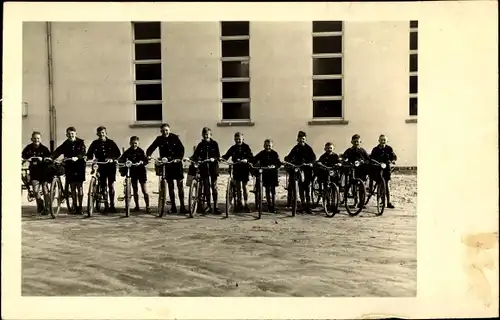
219,158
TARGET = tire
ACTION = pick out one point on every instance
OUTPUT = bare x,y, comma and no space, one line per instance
128,195
369,192
193,197
331,200
229,196
162,198
56,194
101,205
316,194
260,192
295,197
356,189
91,200
70,202
381,189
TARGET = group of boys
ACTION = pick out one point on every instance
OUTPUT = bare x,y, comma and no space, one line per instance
170,146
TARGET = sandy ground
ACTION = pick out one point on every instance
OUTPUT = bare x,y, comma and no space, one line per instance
210,256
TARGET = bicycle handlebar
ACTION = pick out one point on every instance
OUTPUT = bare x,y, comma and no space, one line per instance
166,161
234,162
262,168
199,162
129,164
299,165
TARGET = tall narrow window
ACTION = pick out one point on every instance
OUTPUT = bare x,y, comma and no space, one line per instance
413,100
235,66
147,71
327,69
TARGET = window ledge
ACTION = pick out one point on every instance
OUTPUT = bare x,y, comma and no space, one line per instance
320,122
411,120
235,124
145,124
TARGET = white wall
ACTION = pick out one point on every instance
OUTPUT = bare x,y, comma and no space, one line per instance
93,83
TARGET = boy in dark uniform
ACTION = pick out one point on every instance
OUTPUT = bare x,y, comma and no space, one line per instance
269,158
171,148
105,150
329,159
357,153
384,154
73,148
38,170
208,149
240,151
137,173
302,153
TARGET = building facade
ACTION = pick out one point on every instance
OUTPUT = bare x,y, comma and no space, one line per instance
330,79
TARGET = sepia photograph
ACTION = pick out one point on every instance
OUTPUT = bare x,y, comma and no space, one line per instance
222,158
199,161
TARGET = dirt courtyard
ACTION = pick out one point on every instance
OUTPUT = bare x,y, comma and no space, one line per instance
304,256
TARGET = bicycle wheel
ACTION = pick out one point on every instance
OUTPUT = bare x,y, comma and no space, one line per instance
381,197
295,190
369,191
56,197
331,200
354,196
316,193
128,195
259,198
193,197
70,201
229,196
162,197
91,197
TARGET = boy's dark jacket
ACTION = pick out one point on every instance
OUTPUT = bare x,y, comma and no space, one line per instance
301,154
170,147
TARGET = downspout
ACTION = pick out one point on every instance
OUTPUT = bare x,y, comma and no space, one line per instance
52,109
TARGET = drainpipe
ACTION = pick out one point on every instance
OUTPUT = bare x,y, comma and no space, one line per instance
52,109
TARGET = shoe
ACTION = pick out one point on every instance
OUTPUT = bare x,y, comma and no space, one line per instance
148,210
246,208
183,210
173,210
45,212
217,211
390,206
136,209
308,211
208,210
79,210
112,210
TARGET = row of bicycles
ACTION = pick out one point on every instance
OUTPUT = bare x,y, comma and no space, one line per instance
342,187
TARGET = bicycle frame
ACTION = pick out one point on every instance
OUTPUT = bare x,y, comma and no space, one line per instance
199,194
259,194
98,193
163,185
298,174
127,183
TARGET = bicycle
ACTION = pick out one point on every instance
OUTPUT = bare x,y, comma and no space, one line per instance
259,188
354,189
25,179
231,187
379,186
331,194
98,193
127,184
58,193
196,194
163,185
298,177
